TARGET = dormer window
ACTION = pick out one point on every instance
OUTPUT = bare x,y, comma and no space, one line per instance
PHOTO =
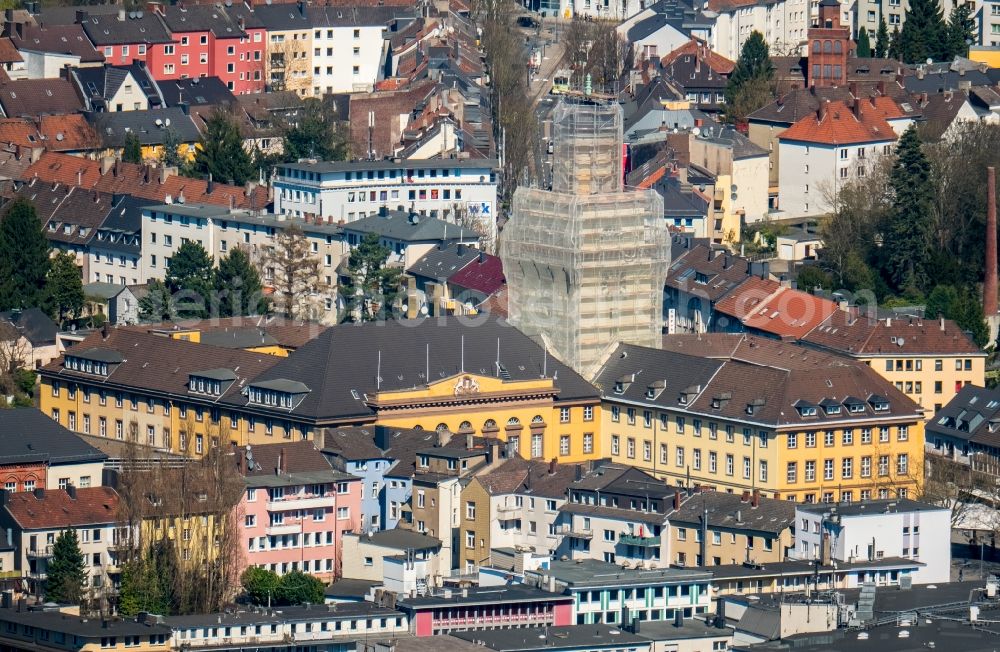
754,405
655,389
278,393
213,382
96,361
831,409
879,403
807,411
619,387
719,401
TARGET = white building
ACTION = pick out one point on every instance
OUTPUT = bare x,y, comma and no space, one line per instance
348,47
455,190
875,530
402,560
825,150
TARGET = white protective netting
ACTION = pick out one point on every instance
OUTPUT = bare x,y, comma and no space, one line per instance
585,263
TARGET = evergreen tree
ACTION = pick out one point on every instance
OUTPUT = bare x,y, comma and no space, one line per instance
171,155
157,304
296,587
221,151
65,287
132,150
882,38
894,52
961,31
963,307
24,258
238,286
924,35
864,45
315,135
371,287
67,575
260,585
296,274
906,235
190,271
749,86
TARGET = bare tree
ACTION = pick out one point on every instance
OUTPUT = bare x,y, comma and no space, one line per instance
294,272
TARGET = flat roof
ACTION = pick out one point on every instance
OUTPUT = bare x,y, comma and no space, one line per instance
591,573
871,507
803,567
570,637
484,595
692,628
210,211
58,621
283,615
402,164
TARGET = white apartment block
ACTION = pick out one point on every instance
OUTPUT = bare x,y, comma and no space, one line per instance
219,229
874,530
524,521
454,190
347,57
812,173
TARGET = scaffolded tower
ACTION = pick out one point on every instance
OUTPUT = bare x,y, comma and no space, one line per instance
585,262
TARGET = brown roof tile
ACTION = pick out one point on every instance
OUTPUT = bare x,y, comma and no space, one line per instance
35,97
55,509
706,272
856,335
140,181
767,306
841,126
293,457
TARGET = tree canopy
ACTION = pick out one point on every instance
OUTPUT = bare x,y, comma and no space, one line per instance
66,575
864,45
749,86
132,149
371,286
316,134
190,272
882,38
24,258
906,236
237,285
221,152
65,287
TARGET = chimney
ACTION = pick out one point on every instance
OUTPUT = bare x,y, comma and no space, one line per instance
163,174
990,284
677,500
821,111
857,109
853,88
71,491
209,184
469,444
745,497
552,466
755,501
871,100
121,15
679,618
881,87
281,460
941,318
824,554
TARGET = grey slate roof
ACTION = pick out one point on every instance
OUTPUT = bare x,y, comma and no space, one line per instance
638,367
973,415
37,327
197,91
114,127
142,27
727,510
284,16
570,637
404,227
872,507
593,573
101,290
403,361
27,435
441,262
400,539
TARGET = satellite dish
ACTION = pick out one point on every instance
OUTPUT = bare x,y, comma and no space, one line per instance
900,341
59,136
929,61
158,122
167,122
696,131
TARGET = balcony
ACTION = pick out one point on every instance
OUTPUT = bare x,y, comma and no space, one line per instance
642,542
574,532
40,552
505,512
294,527
314,502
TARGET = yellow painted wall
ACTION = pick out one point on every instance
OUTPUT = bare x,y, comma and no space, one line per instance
988,55
479,553
917,376
628,442
477,410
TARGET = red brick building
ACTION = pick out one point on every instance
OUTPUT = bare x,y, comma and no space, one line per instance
829,47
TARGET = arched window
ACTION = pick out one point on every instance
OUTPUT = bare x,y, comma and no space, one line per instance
513,421
465,425
816,47
418,427
837,47
490,424
827,47
537,419
442,427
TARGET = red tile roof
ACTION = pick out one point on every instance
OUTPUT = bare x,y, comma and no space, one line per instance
140,181
840,126
765,305
65,133
484,276
55,509
698,48
9,53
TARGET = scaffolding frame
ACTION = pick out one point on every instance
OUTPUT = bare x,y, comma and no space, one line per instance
585,262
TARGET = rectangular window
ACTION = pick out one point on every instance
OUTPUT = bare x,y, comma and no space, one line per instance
791,475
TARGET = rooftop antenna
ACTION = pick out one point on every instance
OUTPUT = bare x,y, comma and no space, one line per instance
498,357
427,364
463,354
545,361
378,372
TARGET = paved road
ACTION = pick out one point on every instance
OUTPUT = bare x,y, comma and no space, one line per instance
546,40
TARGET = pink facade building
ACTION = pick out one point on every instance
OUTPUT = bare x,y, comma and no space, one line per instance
296,509
485,608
